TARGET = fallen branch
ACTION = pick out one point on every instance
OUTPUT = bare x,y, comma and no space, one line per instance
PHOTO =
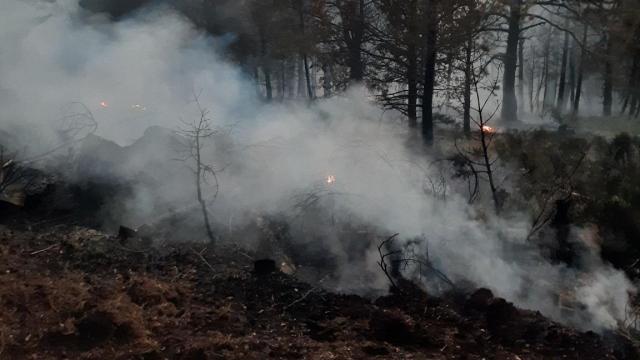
199,255
45,249
300,299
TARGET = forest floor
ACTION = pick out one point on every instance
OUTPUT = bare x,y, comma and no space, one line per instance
71,292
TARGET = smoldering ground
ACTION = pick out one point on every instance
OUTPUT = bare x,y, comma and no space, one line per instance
146,70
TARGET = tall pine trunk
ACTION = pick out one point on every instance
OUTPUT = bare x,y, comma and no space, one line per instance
509,101
304,54
532,76
572,73
307,76
266,68
631,96
563,73
468,68
547,61
412,80
353,32
429,73
283,81
412,68
583,55
607,86
327,80
521,71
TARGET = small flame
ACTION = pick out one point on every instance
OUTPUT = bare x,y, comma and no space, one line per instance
104,104
488,129
330,179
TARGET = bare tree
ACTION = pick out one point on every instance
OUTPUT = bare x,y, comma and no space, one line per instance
197,133
478,158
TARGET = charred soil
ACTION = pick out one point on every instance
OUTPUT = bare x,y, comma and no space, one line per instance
68,291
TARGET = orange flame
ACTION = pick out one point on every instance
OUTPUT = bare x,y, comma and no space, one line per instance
330,179
488,129
104,104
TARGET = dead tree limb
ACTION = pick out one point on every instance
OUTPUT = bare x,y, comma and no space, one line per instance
562,187
383,256
75,126
401,260
16,173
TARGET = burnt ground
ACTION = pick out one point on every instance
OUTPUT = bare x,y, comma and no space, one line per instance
70,292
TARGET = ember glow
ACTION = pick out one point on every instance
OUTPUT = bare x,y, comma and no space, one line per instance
330,179
488,129
104,104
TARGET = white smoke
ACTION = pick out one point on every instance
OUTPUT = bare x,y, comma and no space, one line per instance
53,53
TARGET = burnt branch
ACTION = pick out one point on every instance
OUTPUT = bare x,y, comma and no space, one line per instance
382,263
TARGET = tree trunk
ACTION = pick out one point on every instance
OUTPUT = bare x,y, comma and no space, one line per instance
607,87
353,33
256,78
485,141
583,55
307,76
266,68
429,74
572,73
563,73
631,88
301,77
304,54
267,82
327,80
200,198
468,68
634,104
521,72
509,101
412,68
291,76
543,71
283,84
356,71
532,74
634,91
313,76
547,55
412,80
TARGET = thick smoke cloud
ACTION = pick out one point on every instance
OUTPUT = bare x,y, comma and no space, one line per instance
145,71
